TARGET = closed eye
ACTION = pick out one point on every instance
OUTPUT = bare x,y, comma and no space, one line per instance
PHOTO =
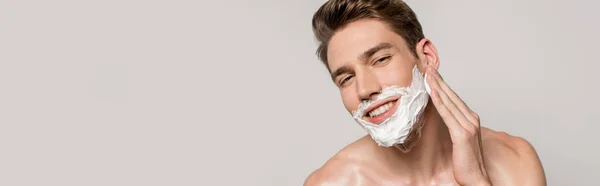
380,60
345,79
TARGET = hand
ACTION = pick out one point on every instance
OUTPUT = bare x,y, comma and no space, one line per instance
463,125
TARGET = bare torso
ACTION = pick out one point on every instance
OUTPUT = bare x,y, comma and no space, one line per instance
508,160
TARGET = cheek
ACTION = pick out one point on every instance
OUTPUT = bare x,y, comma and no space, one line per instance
395,74
349,99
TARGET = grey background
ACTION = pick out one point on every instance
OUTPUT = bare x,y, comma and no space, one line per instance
231,93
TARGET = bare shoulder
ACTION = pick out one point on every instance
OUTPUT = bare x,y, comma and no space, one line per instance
511,160
347,167
335,172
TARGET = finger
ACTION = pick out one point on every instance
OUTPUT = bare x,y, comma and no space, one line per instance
460,104
458,115
447,116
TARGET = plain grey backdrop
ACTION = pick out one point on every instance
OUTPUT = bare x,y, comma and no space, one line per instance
231,92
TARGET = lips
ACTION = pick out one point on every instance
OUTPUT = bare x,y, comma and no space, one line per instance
380,111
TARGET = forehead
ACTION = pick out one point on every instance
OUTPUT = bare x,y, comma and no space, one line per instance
355,38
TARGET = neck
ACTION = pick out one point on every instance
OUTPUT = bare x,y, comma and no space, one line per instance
431,156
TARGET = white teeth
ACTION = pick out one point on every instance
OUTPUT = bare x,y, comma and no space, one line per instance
381,109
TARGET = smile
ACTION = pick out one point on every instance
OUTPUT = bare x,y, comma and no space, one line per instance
380,111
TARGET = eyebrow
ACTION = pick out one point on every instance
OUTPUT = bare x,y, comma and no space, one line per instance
342,70
365,55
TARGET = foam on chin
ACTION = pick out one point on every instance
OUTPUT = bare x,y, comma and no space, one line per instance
395,130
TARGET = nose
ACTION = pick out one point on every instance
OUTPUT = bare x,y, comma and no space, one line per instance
367,84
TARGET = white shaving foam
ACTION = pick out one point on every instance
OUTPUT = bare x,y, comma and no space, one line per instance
395,129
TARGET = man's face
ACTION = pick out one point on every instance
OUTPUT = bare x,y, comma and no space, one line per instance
364,57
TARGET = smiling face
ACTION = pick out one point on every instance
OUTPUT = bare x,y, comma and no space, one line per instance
366,56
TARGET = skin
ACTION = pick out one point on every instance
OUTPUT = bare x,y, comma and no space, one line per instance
453,149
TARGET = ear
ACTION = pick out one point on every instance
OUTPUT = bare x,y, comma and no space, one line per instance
428,55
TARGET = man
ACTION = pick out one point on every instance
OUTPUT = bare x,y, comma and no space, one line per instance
368,45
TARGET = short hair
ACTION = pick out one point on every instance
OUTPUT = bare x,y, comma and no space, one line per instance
335,14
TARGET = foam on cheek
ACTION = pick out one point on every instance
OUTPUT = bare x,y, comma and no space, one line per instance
395,129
